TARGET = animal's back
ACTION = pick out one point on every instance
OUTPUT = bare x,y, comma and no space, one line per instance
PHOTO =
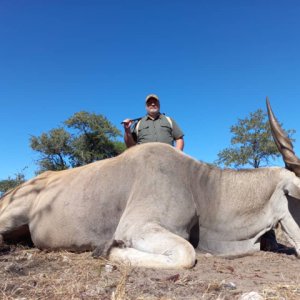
78,208
81,207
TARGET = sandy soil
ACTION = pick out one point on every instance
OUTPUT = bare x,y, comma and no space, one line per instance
28,273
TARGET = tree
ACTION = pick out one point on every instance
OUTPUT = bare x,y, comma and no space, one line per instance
252,143
10,183
90,137
54,148
95,139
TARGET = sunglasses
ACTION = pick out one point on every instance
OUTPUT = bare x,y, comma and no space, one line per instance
152,103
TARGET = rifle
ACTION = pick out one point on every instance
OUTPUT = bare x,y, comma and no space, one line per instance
132,120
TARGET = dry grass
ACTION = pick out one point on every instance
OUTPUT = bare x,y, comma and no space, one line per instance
280,292
33,274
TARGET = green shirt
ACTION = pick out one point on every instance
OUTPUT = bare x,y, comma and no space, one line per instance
157,130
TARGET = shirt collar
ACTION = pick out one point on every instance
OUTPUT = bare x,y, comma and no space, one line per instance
157,117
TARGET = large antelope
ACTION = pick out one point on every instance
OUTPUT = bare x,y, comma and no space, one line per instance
148,200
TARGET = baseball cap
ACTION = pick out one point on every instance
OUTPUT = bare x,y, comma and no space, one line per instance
152,96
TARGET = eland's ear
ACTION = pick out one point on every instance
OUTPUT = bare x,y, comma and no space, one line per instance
291,189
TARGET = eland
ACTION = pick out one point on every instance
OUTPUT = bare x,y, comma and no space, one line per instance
152,205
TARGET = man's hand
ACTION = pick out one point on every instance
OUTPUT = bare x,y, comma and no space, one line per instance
129,141
127,123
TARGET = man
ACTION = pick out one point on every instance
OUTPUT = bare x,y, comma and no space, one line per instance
154,127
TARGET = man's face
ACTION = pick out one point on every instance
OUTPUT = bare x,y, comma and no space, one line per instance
152,106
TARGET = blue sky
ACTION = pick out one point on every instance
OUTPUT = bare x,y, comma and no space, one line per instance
210,62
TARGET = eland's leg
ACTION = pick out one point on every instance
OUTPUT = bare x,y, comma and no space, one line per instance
14,214
292,230
155,247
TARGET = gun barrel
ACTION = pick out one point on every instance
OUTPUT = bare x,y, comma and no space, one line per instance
131,120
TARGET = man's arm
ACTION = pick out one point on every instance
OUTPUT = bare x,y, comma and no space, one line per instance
128,138
179,144
177,135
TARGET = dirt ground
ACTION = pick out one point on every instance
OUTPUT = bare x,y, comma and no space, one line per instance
28,273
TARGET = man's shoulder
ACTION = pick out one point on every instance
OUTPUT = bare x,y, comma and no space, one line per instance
169,120
142,119
138,124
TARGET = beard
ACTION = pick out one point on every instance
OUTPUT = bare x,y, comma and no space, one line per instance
153,110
